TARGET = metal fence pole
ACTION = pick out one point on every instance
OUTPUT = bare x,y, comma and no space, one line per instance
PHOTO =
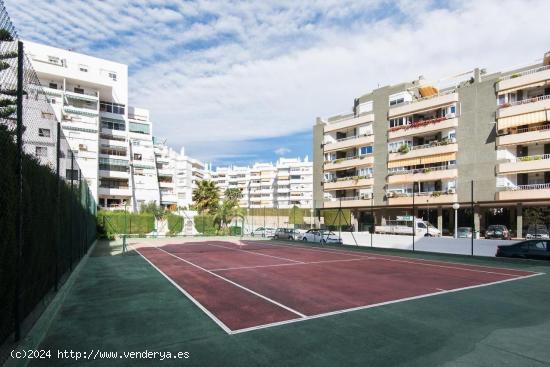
19,172
473,219
58,207
371,229
414,220
264,234
71,205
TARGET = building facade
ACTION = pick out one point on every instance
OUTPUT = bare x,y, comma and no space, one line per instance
285,184
112,142
431,143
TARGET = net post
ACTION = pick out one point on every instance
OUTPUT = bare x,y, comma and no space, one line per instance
58,207
71,206
414,219
473,219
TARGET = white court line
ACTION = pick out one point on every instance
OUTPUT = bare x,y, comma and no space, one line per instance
189,296
235,284
416,261
257,253
378,304
303,263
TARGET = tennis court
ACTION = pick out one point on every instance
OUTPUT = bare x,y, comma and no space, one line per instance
246,285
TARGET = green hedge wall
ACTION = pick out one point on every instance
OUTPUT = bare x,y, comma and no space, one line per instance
335,218
123,222
205,224
175,223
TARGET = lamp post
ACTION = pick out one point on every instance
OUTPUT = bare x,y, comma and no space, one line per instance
456,206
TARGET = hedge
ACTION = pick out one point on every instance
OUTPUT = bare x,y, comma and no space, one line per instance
334,217
175,223
121,222
205,224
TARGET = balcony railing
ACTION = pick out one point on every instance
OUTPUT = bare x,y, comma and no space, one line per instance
420,123
444,93
526,72
524,101
349,198
528,187
348,138
533,128
348,178
339,160
423,170
528,158
435,193
429,145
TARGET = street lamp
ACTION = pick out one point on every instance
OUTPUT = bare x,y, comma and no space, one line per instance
456,206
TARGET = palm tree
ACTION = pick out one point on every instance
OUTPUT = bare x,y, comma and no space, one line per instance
234,194
206,196
226,212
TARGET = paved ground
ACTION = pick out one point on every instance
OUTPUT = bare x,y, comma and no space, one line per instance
122,304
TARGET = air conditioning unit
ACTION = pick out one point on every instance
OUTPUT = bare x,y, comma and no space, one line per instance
366,196
390,194
82,147
450,115
451,191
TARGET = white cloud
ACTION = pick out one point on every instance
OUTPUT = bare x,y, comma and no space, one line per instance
220,71
282,151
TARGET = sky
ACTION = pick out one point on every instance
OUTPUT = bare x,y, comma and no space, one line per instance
236,82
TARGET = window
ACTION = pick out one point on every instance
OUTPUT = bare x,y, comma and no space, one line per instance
71,174
112,76
53,85
365,150
113,124
44,133
396,101
83,68
136,127
111,107
41,151
137,157
78,90
54,60
537,245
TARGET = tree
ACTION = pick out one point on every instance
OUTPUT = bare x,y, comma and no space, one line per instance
225,213
152,208
233,194
206,196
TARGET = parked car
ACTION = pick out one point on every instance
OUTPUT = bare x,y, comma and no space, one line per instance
537,231
263,232
530,249
321,236
464,232
497,231
285,234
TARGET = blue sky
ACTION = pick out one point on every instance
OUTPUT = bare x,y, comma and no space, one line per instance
241,81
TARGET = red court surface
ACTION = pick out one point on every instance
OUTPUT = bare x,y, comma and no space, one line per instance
244,286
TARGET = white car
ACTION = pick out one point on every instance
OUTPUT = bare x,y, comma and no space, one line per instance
320,236
263,232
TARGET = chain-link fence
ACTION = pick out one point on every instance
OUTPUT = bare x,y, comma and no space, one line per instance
47,211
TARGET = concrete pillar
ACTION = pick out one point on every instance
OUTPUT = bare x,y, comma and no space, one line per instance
452,221
477,219
440,219
382,217
519,221
355,220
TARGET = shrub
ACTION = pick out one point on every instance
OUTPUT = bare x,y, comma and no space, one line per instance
205,224
121,222
175,224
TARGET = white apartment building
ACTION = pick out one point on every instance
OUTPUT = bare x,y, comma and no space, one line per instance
286,184
178,175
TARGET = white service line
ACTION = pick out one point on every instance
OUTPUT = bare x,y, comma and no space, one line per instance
235,284
257,253
303,263
189,296
379,304
414,261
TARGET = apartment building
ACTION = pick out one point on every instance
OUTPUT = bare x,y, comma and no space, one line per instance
178,175
430,142
285,184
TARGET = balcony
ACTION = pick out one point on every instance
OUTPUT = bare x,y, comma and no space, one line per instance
87,96
349,142
525,192
165,172
121,191
347,122
422,127
113,174
524,78
80,111
425,103
525,136
524,106
423,198
425,150
166,184
532,163
168,198
424,174
348,202
350,162
346,183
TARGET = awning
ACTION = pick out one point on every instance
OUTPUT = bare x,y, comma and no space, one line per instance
427,91
423,160
524,119
534,85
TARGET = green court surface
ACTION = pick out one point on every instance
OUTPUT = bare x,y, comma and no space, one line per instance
120,303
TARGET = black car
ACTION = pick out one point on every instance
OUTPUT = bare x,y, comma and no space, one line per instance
530,249
497,231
